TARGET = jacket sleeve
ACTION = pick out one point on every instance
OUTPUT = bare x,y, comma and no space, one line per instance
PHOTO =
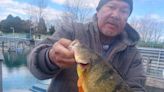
136,75
38,60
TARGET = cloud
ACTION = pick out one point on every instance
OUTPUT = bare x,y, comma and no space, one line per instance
5,1
154,16
52,14
157,18
59,1
23,10
88,3
12,7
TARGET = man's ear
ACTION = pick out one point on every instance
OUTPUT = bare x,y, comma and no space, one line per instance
96,14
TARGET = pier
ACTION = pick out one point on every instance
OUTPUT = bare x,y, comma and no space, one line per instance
14,43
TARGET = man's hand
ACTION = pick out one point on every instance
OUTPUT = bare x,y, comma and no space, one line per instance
60,55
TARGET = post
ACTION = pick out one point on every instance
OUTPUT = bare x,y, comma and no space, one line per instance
1,60
14,39
13,31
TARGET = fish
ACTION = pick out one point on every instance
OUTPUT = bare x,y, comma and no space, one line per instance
94,73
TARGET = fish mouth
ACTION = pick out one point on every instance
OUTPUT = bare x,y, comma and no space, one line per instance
83,64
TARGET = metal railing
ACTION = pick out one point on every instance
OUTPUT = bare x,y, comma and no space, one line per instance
153,60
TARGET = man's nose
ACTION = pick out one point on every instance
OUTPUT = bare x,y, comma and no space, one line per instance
115,14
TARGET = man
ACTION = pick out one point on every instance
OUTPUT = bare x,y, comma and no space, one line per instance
108,34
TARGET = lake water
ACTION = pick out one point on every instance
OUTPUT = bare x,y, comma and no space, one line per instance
16,77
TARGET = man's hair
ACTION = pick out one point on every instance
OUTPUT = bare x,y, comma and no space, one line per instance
102,2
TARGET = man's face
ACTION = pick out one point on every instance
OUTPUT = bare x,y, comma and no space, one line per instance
112,17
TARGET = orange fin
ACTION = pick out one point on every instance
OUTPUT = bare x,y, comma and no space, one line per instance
79,84
80,89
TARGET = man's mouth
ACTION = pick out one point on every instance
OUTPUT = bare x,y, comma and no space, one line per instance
112,24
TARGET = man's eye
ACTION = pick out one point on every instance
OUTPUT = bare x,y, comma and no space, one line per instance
125,11
111,7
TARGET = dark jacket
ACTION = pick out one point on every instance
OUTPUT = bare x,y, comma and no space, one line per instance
123,55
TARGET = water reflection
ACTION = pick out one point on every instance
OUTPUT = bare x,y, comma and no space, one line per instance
16,77
15,59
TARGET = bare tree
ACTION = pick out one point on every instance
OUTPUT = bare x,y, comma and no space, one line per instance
42,4
148,28
36,13
76,10
157,31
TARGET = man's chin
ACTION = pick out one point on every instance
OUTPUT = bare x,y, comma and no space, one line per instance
110,34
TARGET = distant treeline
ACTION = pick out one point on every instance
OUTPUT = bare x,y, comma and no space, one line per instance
24,26
151,44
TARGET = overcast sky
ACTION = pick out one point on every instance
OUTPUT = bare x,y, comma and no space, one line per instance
153,8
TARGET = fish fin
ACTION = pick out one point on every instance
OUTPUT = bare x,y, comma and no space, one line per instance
79,84
80,89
